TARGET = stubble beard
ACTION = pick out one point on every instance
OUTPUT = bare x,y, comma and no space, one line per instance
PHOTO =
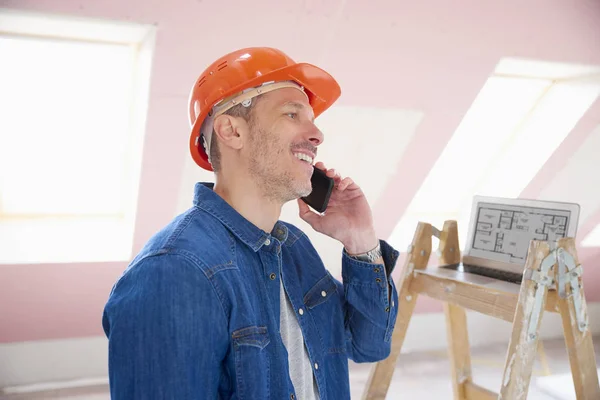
273,181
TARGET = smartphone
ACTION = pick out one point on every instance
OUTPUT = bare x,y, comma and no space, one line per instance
322,186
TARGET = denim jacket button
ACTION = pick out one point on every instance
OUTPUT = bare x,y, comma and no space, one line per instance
316,366
323,293
292,397
301,311
272,276
267,242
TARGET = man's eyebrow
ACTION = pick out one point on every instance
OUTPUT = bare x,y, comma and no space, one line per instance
299,106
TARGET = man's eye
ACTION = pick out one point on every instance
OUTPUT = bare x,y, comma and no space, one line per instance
292,115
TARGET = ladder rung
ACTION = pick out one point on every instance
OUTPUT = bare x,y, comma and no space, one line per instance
476,392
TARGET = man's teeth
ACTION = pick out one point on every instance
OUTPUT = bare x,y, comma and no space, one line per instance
304,157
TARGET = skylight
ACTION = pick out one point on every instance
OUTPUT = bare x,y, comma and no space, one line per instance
515,124
70,143
592,239
576,182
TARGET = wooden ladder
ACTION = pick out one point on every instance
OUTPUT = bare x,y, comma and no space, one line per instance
552,281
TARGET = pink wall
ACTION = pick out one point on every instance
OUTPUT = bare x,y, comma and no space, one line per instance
431,55
54,301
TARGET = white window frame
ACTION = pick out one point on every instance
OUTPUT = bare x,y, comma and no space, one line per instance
84,237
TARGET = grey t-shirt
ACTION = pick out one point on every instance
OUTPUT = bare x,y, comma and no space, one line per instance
300,369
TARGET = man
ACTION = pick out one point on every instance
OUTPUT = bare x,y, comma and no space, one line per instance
229,302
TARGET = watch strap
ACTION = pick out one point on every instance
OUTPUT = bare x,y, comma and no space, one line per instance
369,256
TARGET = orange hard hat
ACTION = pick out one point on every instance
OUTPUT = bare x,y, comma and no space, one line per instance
234,74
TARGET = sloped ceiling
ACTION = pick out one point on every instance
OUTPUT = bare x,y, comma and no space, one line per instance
409,71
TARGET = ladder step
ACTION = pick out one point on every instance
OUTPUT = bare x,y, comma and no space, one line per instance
476,392
473,292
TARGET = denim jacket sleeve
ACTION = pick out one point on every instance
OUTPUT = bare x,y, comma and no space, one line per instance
370,305
166,330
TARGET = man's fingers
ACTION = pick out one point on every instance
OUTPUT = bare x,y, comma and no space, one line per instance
335,175
345,183
320,166
307,214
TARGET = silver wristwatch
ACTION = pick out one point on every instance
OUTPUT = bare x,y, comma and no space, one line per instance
370,256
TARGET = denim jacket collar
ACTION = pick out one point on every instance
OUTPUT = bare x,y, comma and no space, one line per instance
206,199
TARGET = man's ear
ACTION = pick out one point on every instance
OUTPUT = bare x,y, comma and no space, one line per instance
230,130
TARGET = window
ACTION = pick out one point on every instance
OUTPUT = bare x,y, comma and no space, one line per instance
577,182
74,96
521,115
593,238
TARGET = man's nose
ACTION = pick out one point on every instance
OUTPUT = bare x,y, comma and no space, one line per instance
314,135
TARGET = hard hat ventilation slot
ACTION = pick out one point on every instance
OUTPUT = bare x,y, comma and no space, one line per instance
201,81
222,65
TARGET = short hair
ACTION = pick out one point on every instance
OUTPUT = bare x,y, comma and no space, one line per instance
236,111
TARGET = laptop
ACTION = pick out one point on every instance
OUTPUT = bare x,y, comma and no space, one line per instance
501,229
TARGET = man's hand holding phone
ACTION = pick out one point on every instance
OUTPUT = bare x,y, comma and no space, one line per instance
347,218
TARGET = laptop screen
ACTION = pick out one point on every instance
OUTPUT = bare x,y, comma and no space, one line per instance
501,229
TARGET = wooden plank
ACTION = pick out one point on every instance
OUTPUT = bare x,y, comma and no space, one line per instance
473,297
382,372
523,342
476,392
474,292
449,249
458,349
456,318
579,344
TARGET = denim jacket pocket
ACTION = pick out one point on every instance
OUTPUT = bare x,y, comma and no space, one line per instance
322,291
252,362
324,303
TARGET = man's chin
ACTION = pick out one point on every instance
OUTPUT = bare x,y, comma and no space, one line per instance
306,189
302,191
304,194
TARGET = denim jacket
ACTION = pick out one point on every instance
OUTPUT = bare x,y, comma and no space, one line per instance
196,313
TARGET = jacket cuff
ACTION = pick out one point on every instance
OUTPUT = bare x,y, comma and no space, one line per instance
355,271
